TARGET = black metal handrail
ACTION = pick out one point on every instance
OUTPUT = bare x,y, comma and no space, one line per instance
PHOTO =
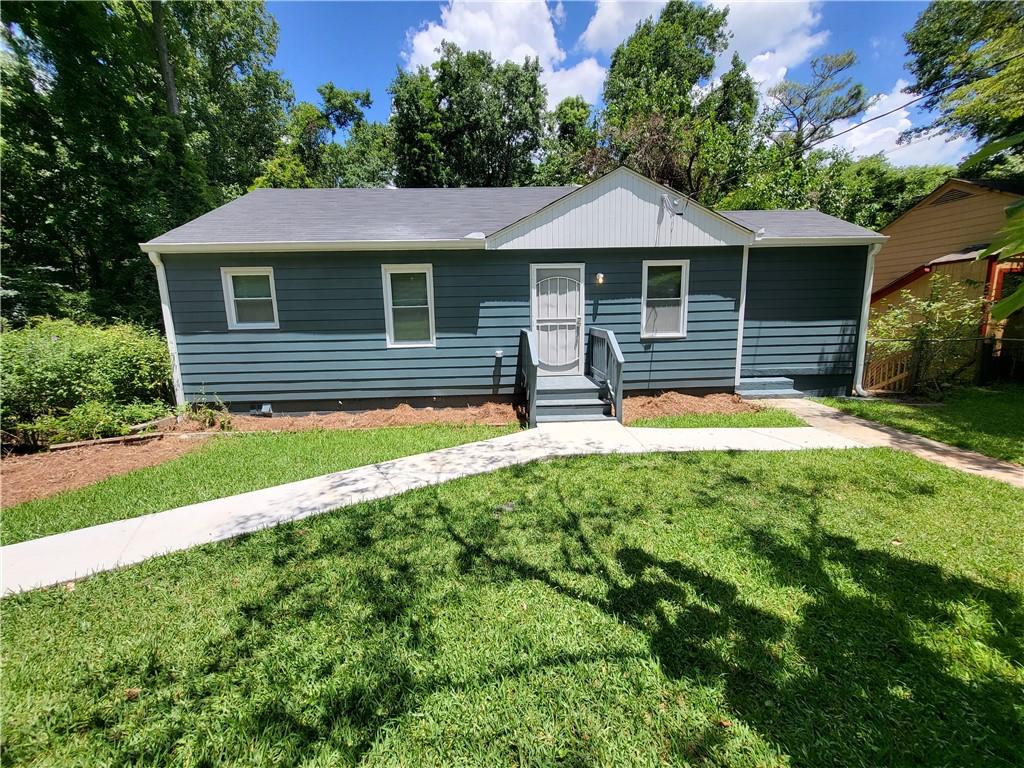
605,364
526,372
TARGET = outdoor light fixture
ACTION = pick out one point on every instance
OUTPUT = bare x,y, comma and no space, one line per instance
600,278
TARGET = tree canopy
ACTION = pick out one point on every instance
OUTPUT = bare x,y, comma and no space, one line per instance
125,118
100,152
466,121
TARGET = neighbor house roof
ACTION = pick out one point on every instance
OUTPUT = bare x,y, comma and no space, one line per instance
348,219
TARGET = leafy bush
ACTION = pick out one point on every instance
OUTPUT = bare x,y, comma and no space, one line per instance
56,374
89,421
939,331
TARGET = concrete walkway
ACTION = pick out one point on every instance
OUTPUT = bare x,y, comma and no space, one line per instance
67,556
873,434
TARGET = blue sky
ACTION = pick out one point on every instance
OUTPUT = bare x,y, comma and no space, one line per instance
360,45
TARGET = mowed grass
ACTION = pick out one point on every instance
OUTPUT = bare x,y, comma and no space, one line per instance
818,608
763,417
989,420
230,464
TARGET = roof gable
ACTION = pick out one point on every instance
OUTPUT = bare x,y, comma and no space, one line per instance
622,209
953,191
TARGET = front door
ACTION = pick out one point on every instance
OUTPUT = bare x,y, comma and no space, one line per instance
558,317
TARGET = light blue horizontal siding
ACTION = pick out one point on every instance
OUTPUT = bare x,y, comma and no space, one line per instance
802,313
331,343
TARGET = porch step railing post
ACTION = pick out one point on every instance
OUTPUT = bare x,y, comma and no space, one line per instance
526,373
605,364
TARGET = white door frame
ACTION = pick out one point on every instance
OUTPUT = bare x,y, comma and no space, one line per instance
583,308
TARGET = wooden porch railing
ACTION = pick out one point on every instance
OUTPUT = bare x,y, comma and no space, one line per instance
526,373
605,365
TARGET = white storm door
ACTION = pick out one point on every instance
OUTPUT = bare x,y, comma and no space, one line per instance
558,317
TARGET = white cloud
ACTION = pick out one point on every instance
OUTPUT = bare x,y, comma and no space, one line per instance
881,135
509,31
585,79
615,20
773,37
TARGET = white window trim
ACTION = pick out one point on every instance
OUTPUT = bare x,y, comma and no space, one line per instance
684,266
226,273
386,270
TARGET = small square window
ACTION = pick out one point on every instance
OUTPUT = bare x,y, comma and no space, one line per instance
664,299
249,297
409,304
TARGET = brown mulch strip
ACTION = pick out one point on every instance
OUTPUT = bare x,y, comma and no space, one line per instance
493,414
33,476
676,403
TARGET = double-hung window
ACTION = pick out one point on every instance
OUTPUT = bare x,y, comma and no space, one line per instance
664,299
249,298
409,304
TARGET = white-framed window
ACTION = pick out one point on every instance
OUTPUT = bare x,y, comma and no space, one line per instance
663,304
409,304
249,297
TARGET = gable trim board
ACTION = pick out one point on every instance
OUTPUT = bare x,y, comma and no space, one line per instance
621,209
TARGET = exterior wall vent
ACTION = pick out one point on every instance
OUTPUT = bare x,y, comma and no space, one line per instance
950,196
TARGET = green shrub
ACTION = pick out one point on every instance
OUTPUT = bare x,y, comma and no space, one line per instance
89,421
53,367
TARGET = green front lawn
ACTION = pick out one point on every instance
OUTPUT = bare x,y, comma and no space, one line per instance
833,608
764,417
230,464
989,420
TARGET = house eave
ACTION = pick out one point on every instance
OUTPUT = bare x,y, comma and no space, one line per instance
292,246
772,242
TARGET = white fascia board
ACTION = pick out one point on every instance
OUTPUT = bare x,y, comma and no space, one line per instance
317,245
772,242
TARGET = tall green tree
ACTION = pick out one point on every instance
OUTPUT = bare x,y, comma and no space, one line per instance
108,139
467,121
305,155
873,191
366,159
658,67
805,113
967,55
570,144
665,118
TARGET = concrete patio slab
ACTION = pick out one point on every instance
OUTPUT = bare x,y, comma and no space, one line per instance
76,554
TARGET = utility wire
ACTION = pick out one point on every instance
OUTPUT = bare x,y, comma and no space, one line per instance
965,80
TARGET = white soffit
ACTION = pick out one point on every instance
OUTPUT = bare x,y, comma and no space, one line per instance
621,210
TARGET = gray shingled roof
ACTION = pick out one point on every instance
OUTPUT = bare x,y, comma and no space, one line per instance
346,215
797,224
340,215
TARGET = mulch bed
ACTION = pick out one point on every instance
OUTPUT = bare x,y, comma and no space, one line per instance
676,403
33,476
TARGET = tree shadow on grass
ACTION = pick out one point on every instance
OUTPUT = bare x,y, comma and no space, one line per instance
855,674
862,675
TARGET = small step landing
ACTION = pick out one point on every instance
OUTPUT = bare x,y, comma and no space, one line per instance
767,388
570,398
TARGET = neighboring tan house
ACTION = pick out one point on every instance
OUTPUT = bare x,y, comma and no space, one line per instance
307,299
945,233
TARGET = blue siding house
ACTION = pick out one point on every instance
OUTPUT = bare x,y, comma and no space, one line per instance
565,297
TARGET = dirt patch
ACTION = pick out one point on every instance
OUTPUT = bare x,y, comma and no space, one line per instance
676,403
33,476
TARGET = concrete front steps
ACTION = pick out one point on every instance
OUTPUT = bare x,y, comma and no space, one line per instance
570,398
767,388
